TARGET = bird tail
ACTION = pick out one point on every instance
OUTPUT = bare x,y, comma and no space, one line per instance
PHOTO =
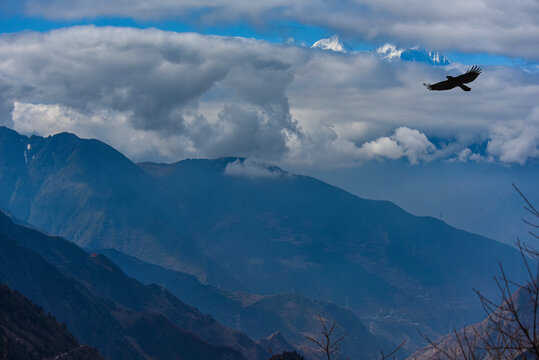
464,87
427,86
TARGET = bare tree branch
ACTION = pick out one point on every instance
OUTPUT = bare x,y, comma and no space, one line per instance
511,328
326,344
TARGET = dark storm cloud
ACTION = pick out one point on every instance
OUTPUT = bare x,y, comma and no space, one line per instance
249,133
156,80
118,69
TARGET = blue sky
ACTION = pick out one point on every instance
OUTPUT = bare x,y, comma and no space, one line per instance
369,45
278,32
167,79
275,31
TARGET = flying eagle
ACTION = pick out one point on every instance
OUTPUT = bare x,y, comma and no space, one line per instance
459,81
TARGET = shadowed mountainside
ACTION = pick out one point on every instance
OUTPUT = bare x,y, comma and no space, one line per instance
27,333
244,226
259,316
106,309
89,193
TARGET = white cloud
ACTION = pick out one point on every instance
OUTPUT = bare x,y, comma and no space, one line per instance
252,169
164,96
110,127
382,147
39,118
516,141
415,144
404,142
495,26
464,155
467,154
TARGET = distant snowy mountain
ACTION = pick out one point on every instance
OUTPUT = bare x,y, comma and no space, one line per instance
390,52
387,51
332,43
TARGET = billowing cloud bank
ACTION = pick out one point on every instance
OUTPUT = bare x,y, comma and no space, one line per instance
494,26
165,96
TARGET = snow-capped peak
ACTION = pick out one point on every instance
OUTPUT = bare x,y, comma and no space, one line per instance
436,57
389,51
332,43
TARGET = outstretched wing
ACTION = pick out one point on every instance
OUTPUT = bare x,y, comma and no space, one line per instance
442,85
469,75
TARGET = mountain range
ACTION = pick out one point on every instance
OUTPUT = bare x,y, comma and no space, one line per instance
287,317
433,57
85,288
387,51
252,228
104,308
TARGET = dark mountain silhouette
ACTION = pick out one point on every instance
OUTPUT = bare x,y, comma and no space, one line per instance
104,308
269,234
459,81
287,355
27,333
276,343
291,316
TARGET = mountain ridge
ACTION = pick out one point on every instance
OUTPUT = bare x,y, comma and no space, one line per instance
256,315
90,293
266,234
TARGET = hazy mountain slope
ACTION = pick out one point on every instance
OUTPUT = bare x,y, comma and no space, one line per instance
292,315
276,343
86,191
105,308
297,316
86,317
268,230
295,233
460,193
501,318
207,298
27,333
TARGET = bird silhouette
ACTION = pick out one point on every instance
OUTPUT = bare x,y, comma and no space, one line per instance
459,81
